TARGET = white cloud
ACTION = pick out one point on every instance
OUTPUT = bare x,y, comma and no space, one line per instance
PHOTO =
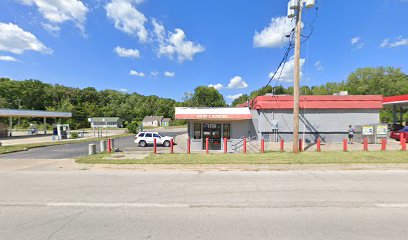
137,74
127,18
318,65
398,43
288,71
60,11
129,53
237,82
16,40
217,86
174,44
357,43
169,74
155,73
233,97
275,34
8,59
51,28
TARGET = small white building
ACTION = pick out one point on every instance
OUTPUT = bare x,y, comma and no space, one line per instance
152,121
109,122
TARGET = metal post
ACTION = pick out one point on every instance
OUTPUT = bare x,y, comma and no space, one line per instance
225,145
365,144
262,145
45,125
300,145
103,145
318,145
11,126
171,146
109,146
154,145
92,149
345,145
297,79
206,145
383,144
245,147
188,146
404,145
282,145
394,116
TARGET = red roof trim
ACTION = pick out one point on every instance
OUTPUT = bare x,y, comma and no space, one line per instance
393,99
319,102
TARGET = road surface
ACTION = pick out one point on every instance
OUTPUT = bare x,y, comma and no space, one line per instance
314,205
74,150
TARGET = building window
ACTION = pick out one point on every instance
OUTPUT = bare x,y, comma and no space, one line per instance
197,130
227,130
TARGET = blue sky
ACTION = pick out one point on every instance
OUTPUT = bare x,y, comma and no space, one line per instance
167,48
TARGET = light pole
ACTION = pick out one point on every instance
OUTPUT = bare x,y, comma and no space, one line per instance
295,10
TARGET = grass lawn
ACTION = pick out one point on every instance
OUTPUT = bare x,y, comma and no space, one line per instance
267,158
25,147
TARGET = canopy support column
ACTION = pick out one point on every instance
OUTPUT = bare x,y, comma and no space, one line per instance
394,116
11,126
45,125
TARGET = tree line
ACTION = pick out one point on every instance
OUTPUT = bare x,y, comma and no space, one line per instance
133,107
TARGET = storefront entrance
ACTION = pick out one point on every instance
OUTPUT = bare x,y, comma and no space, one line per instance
212,131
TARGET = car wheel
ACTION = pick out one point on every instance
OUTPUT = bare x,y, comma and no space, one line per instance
166,144
142,144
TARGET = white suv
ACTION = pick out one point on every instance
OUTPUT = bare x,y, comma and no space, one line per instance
144,139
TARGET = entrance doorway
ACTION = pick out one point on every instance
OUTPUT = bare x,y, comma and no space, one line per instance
212,131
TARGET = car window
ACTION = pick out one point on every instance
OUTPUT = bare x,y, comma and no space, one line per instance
156,135
141,135
148,135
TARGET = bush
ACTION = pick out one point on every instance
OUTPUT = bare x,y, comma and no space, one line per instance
178,122
132,127
74,135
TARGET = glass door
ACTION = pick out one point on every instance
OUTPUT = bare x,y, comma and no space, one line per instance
212,131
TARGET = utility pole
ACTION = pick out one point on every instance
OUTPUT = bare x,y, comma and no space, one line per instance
295,8
296,81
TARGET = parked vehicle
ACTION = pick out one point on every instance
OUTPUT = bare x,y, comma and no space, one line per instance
143,139
397,134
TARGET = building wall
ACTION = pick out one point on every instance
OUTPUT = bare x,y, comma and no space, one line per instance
329,124
155,123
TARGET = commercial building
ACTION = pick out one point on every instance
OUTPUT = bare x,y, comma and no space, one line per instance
271,118
106,122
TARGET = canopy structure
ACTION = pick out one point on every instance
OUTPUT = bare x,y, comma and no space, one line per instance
397,103
10,113
213,113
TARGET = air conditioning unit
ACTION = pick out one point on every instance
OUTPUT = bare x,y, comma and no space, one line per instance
310,3
291,12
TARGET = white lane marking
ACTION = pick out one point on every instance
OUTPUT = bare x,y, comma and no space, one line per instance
136,205
392,205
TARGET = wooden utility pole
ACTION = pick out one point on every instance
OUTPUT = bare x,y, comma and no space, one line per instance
297,79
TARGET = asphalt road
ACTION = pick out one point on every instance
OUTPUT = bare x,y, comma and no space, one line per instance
203,205
74,150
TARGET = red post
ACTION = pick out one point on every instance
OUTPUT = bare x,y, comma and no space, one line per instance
365,144
401,137
188,146
300,145
403,144
383,144
225,145
345,145
318,145
245,145
154,146
109,145
171,146
262,145
206,145
282,145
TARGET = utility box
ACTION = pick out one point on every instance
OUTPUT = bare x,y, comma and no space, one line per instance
381,131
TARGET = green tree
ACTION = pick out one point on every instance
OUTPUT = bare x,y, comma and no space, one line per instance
240,100
206,97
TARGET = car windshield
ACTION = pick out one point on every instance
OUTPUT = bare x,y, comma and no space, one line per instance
405,129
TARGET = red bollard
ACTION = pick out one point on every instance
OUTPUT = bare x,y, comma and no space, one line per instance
154,145
188,146
300,145
365,144
109,145
282,145
345,145
244,145
383,144
225,145
318,145
171,146
404,145
262,145
206,145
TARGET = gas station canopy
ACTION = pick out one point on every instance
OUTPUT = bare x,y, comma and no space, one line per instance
400,101
33,113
